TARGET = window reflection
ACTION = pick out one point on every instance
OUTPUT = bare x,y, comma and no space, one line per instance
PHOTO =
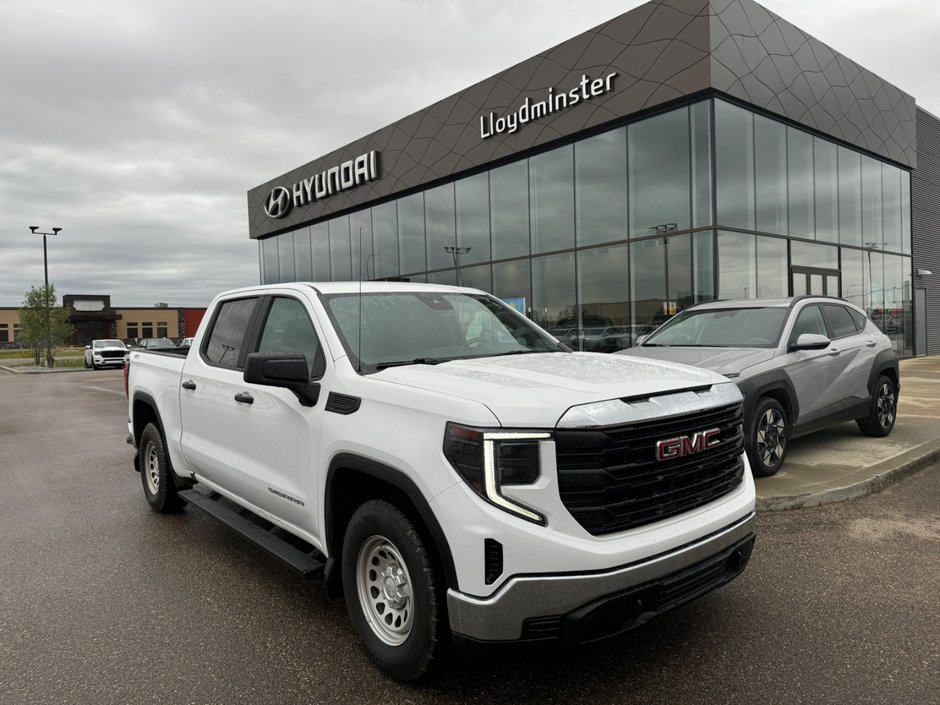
473,217
269,251
827,190
603,300
340,252
850,197
551,178
800,183
772,268
511,283
600,165
770,165
658,154
553,291
700,117
440,222
385,233
648,302
320,242
360,242
509,210
285,257
737,271
411,241
734,165
303,262
872,222
891,185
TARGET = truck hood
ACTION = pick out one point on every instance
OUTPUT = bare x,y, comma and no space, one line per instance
721,360
535,390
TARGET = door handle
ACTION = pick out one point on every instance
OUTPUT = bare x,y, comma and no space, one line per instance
870,344
189,384
833,352
244,398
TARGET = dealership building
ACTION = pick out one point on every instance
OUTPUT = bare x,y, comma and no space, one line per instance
685,151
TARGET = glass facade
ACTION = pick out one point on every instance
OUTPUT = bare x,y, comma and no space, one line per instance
603,238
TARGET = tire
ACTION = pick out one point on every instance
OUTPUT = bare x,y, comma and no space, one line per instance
768,437
155,473
85,362
391,590
884,409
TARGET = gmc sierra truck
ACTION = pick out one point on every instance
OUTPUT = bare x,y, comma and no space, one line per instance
450,468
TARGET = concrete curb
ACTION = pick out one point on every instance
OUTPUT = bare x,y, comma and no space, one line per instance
882,475
34,371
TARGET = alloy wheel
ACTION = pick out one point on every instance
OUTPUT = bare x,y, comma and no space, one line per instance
887,405
771,437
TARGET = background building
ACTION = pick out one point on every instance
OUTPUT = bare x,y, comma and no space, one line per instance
94,317
684,151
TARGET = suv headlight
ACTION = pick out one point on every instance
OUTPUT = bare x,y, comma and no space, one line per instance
488,459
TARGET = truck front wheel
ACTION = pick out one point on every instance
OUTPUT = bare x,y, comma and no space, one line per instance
391,590
155,472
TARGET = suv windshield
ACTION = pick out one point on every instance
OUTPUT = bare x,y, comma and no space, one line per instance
722,328
429,327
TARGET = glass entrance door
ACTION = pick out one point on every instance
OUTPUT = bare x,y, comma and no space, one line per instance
815,281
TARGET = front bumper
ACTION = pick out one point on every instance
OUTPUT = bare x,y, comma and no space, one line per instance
583,607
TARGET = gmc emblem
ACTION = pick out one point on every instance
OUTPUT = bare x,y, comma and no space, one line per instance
686,445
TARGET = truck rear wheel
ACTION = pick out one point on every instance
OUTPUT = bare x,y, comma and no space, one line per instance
391,590
155,472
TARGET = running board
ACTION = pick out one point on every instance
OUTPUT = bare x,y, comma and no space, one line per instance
272,539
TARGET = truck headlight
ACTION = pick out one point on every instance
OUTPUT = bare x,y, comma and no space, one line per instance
488,459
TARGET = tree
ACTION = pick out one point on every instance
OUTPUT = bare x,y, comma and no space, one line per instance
42,323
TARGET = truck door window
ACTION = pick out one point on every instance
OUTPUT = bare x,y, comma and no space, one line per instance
288,329
228,333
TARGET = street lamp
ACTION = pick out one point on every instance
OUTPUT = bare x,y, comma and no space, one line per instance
45,266
456,253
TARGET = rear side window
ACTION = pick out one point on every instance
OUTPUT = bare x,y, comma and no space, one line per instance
859,318
288,329
809,320
840,321
228,333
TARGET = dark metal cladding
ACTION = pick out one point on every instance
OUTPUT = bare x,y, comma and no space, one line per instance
661,52
925,222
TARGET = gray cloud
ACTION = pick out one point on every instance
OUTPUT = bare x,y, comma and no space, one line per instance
138,127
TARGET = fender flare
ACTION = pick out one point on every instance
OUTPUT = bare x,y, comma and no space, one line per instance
399,481
758,386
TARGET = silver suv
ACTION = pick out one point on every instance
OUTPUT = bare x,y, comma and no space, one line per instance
802,363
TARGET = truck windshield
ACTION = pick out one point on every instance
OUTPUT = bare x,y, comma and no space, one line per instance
411,328
757,327
107,344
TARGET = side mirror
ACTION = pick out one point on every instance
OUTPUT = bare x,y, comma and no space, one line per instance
640,339
285,370
87,347
810,341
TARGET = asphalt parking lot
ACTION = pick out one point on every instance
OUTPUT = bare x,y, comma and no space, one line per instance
103,601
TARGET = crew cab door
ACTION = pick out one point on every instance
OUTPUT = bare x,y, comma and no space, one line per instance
258,443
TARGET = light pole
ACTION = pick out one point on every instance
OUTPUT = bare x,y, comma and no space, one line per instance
456,253
45,266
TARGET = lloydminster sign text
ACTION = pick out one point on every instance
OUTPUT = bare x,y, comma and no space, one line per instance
555,100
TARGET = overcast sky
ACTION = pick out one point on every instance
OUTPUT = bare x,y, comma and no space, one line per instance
138,126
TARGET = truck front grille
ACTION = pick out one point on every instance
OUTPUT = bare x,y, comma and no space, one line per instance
610,480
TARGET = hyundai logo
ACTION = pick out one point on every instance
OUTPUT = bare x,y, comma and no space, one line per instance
278,202
680,446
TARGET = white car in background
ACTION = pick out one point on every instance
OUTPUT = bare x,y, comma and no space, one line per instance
105,353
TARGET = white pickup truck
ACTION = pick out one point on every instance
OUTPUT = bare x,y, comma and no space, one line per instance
452,470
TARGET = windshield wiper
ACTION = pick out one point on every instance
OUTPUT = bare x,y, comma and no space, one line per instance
520,352
416,361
